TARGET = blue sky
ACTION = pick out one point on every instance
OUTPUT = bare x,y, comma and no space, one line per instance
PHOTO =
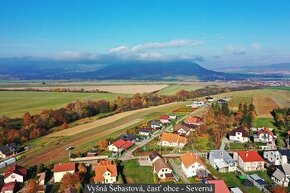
216,33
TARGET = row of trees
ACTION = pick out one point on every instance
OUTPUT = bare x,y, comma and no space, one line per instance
41,124
219,120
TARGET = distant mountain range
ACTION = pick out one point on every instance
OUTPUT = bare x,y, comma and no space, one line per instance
281,68
33,69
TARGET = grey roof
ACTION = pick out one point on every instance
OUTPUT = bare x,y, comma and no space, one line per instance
222,154
154,154
278,174
129,137
8,148
155,122
286,169
285,152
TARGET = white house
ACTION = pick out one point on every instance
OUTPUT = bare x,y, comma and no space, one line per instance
196,104
164,119
15,173
277,157
156,124
281,176
222,161
160,166
145,132
239,134
172,140
105,172
191,165
59,170
120,145
249,160
265,135
182,130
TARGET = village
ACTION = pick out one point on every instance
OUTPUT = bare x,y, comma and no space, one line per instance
164,145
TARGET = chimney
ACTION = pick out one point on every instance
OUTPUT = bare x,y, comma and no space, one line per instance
247,153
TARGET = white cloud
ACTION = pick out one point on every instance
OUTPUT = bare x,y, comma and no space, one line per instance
179,43
256,46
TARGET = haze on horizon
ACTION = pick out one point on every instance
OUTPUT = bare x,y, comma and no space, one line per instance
214,34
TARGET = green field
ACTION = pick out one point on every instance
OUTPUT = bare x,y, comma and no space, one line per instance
264,122
279,88
134,173
16,103
172,89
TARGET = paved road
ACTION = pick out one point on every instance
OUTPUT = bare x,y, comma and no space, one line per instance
178,170
129,154
224,142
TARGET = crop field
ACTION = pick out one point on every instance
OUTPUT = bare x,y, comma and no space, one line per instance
280,97
264,105
173,89
51,148
16,103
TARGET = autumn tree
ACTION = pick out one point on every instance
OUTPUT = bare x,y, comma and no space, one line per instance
104,143
32,186
27,119
70,181
279,189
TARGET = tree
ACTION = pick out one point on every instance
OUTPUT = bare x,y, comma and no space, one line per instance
279,189
27,119
70,181
104,143
32,186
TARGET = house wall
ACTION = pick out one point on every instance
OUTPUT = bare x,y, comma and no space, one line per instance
239,138
108,179
113,148
192,170
14,178
58,175
284,182
250,166
172,144
273,157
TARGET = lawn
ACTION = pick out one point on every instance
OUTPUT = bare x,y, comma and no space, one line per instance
231,180
134,173
234,103
279,88
16,103
173,89
202,144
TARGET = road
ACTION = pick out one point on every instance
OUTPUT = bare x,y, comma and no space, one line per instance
224,142
178,170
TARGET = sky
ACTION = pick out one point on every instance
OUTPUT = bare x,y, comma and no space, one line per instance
213,33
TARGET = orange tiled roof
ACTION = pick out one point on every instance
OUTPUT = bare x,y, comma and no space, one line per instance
190,158
171,137
64,167
102,167
193,120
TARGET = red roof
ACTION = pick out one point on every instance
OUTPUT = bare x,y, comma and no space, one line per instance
15,169
266,130
64,167
123,144
220,186
250,156
8,187
166,117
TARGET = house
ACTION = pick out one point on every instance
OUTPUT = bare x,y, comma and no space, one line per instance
236,190
164,119
281,176
130,137
257,181
145,132
59,170
239,134
161,167
120,145
106,172
15,173
191,164
209,99
222,101
41,178
193,120
249,160
222,161
71,190
277,157
172,140
182,130
264,135
156,124
7,150
196,104
220,186
172,117
9,188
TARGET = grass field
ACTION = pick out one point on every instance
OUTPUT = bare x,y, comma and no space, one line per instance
49,148
280,97
16,103
173,89
279,88
144,174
